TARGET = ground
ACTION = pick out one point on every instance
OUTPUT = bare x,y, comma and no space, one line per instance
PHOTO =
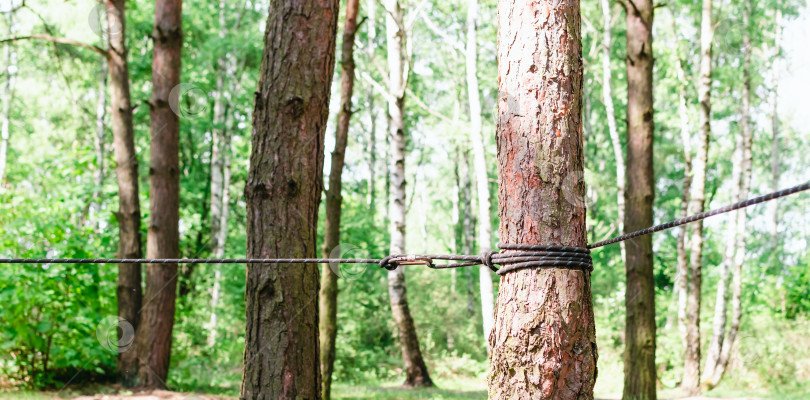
450,390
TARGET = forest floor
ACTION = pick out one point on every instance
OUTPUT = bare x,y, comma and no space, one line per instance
475,391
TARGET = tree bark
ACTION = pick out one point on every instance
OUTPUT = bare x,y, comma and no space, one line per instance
283,193
415,368
691,378
129,290
744,183
480,161
607,97
543,343
154,334
639,351
329,286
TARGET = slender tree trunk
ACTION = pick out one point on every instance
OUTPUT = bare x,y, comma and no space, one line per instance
468,223
415,368
721,300
283,193
682,272
739,234
371,150
8,98
691,378
480,160
221,164
607,97
544,342
639,352
101,114
773,207
126,170
154,334
329,285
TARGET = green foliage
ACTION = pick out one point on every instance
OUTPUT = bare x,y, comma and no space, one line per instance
52,314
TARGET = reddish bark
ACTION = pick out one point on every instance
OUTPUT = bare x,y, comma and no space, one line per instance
329,287
639,331
283,193
543,343
154,334
126,172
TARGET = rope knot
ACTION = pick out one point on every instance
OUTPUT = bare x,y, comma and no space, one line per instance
486,259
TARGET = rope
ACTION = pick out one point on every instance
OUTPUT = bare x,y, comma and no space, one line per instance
517,256
704,215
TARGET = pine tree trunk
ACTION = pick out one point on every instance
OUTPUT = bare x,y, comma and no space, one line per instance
639,353
607,97
479,157
154,334
8,98
691,378
283,193
543,343
415,368
329,285
126,170
740,215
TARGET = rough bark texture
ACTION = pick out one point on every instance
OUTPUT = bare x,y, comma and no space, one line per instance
480,161
714,373
415,368
8,97
283,192
639,332
543,343
607,98
327,326
154,334
691,372
126,171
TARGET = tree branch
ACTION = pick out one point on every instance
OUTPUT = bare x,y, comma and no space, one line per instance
422,104
53,39
453,43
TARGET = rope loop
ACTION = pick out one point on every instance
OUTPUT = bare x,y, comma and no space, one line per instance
542,256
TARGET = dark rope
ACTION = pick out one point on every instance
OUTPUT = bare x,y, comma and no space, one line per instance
512,257
704,215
